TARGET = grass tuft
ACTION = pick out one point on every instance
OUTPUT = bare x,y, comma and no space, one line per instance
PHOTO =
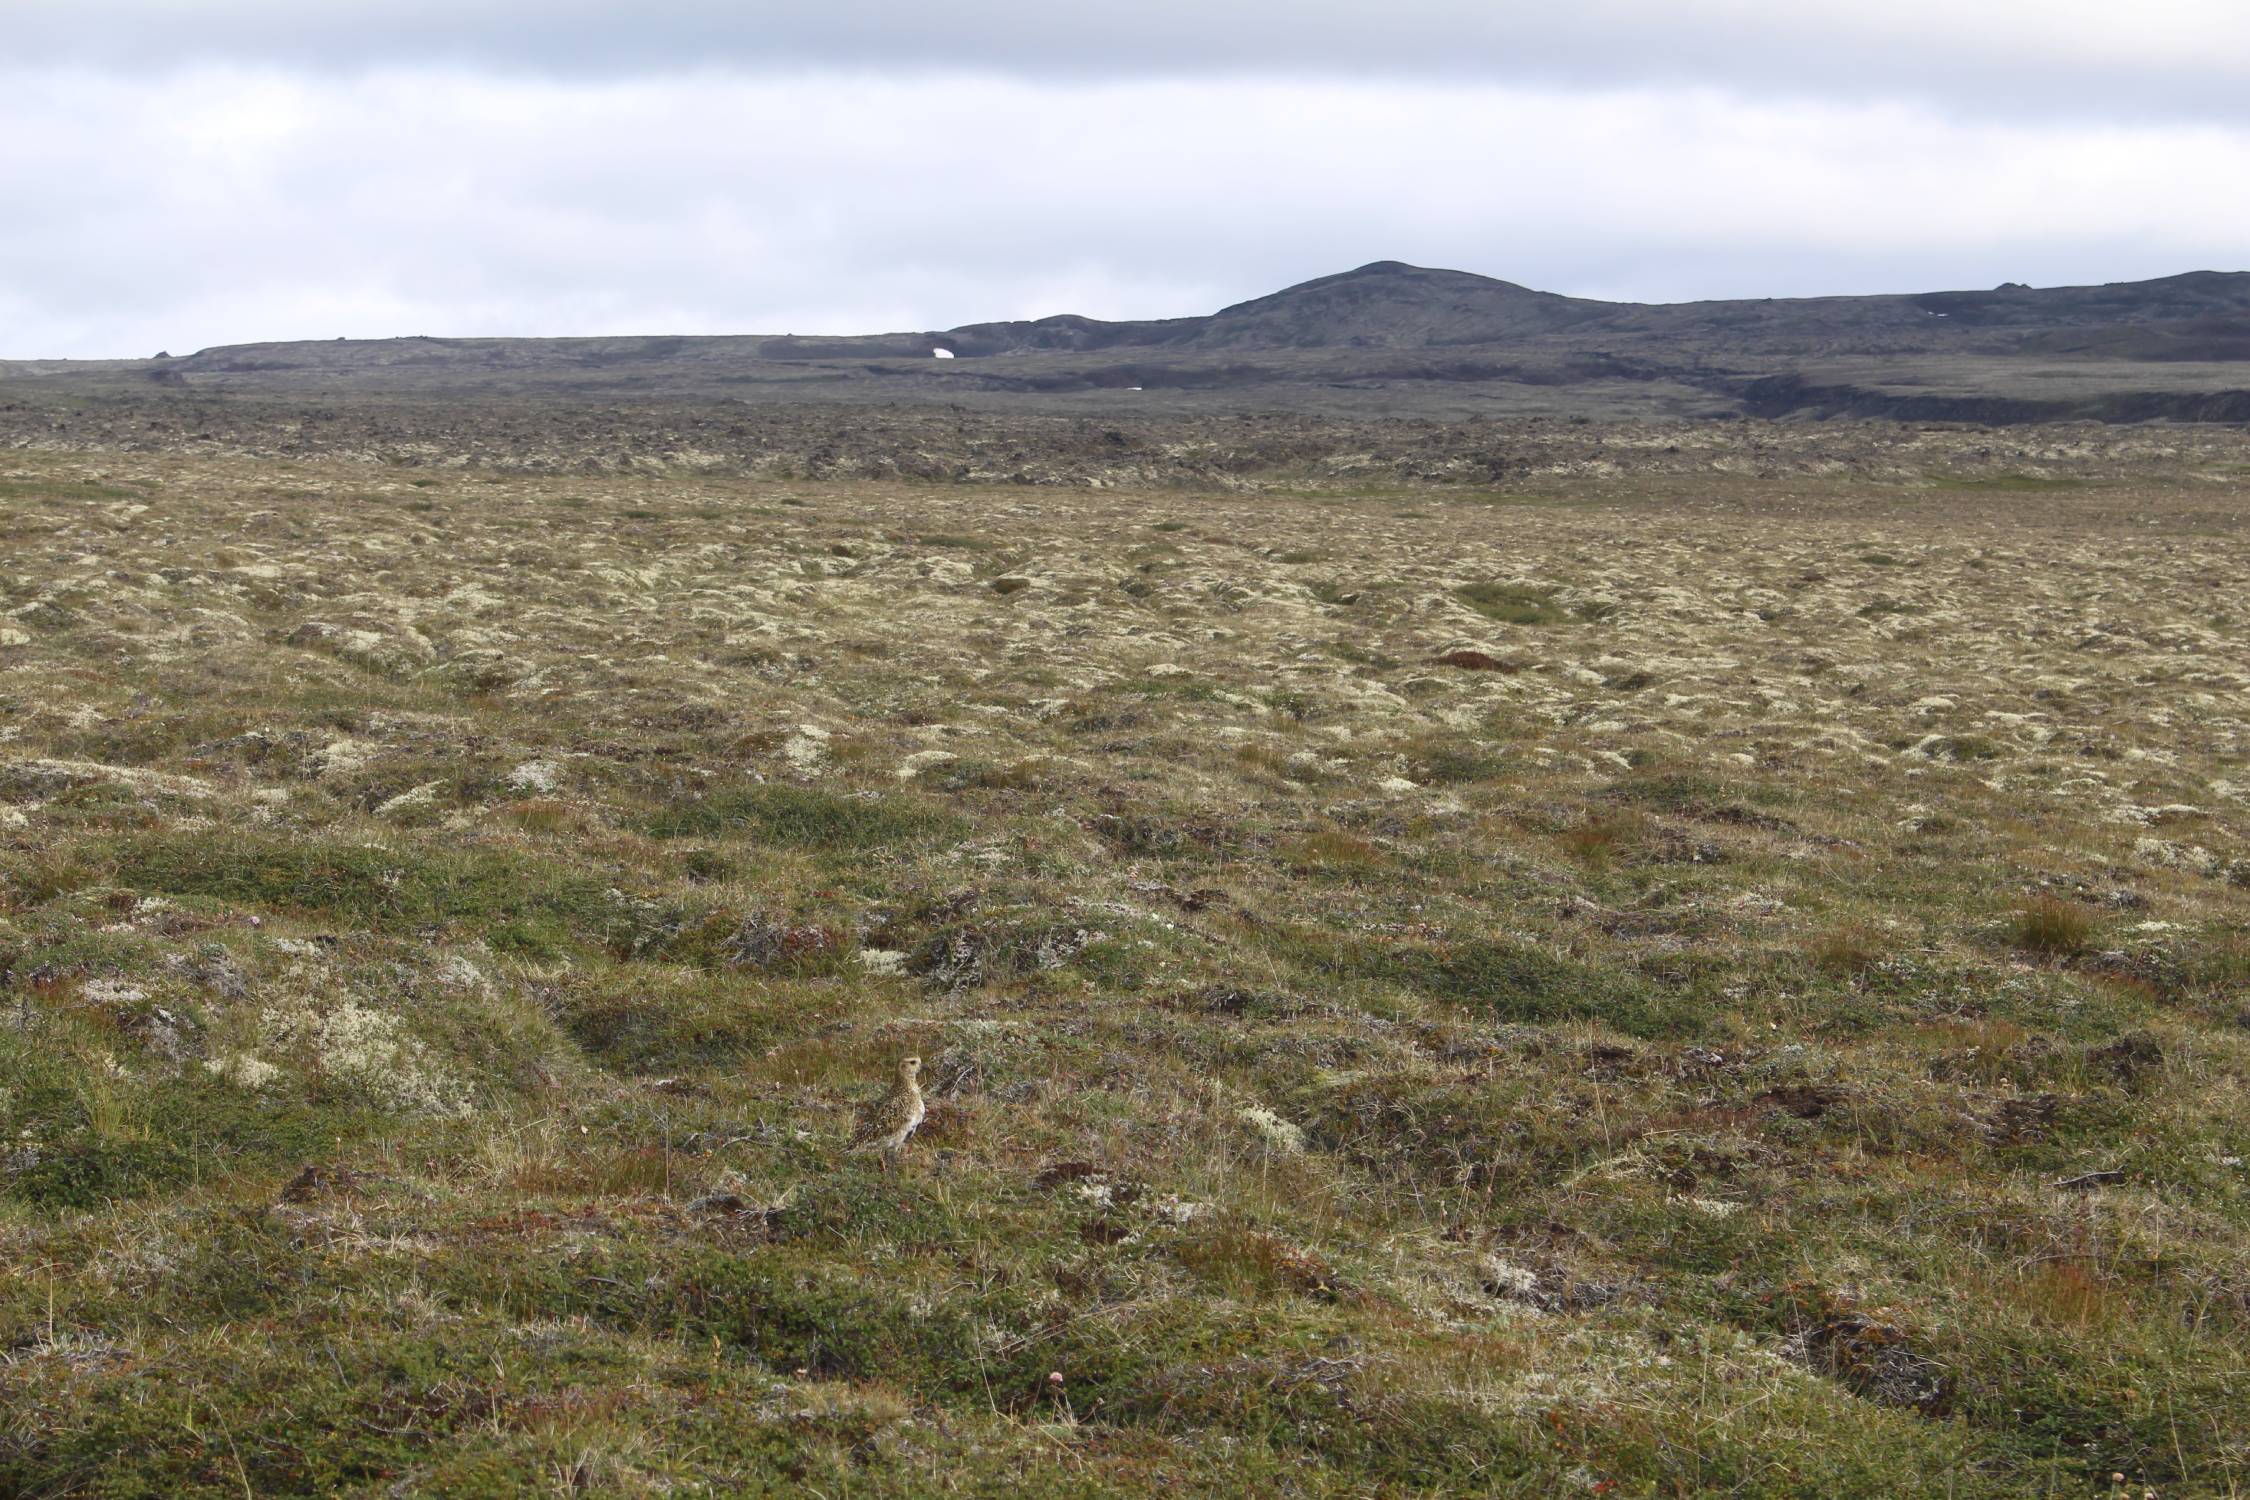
2052,928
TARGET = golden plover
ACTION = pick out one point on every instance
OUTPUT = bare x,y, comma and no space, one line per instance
885,1125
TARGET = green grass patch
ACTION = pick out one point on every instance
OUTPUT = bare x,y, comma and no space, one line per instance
81,1138
1513,603
795,817
68,489
517,902
1496,977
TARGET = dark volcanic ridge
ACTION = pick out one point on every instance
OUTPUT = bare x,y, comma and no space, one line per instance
1386,337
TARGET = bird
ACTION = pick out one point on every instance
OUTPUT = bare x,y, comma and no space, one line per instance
885,1124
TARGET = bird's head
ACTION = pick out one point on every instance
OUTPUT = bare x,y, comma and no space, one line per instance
909,1068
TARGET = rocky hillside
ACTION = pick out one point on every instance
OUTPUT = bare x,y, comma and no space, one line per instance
1386,336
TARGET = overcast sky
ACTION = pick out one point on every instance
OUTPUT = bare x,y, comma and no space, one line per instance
181,173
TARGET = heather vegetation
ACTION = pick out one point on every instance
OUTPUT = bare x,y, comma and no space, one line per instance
1724,967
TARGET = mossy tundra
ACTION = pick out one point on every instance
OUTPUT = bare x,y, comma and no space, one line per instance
1730,978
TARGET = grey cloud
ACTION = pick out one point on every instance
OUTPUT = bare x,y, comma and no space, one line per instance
228,205
2164,58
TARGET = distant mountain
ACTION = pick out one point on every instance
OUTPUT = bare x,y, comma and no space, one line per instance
1390,305
1387,305
1390,336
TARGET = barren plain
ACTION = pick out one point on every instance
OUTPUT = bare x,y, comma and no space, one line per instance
1450,959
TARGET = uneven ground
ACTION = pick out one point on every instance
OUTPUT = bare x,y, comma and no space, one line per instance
1720,969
